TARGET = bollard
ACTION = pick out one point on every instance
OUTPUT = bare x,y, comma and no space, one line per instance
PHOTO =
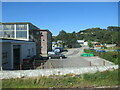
49,57
49,65
1,68
60,57
34,64
20,66
90,63
103,63
41,65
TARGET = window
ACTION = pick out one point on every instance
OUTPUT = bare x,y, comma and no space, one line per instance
21,31
8,27
8,31
4,57
37,33
8,34
1,33
21,34
21,27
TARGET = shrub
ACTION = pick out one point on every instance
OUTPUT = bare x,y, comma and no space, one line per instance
110,56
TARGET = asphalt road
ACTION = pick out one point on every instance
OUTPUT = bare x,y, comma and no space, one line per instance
75,60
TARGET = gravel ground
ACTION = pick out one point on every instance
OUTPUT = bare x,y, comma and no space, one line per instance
75,60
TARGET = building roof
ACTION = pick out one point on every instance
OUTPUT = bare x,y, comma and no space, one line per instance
19,23
45,30
15,23
26,23
80,41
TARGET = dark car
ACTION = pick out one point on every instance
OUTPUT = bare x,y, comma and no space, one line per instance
56,55
65,50
39,58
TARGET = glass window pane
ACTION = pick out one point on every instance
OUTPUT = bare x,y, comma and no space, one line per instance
1,27
1,33
21,27
8,27
21,34
9,34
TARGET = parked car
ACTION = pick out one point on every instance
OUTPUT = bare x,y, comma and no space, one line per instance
57,51
56,55
65,50
39,58
60,49
100,51
51,52
117,50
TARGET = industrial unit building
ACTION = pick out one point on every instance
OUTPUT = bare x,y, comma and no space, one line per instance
14,51
21,31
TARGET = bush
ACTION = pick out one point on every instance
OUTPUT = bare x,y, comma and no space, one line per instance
86,51
110,56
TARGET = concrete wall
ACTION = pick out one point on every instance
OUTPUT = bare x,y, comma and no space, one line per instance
58,71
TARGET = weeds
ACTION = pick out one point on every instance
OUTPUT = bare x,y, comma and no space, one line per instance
108,78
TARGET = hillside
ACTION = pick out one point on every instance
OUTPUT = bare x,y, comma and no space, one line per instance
109,36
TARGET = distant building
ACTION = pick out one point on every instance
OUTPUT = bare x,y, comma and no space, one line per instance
21,31
46,41
14,51
82,42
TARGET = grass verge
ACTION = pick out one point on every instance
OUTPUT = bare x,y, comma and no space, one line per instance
107,78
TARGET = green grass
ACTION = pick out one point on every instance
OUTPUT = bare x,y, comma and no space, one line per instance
112,48
108,78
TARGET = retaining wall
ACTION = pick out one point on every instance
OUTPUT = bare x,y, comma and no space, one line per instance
57,71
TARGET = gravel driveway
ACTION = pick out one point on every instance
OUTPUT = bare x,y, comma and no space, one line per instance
75,60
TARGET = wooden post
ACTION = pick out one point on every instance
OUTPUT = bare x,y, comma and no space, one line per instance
49,65
103,63
1,68
34,64
20,66
90,63
41,65
49,57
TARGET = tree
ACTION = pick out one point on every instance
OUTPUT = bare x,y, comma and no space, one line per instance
63,37
71,40
90,44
